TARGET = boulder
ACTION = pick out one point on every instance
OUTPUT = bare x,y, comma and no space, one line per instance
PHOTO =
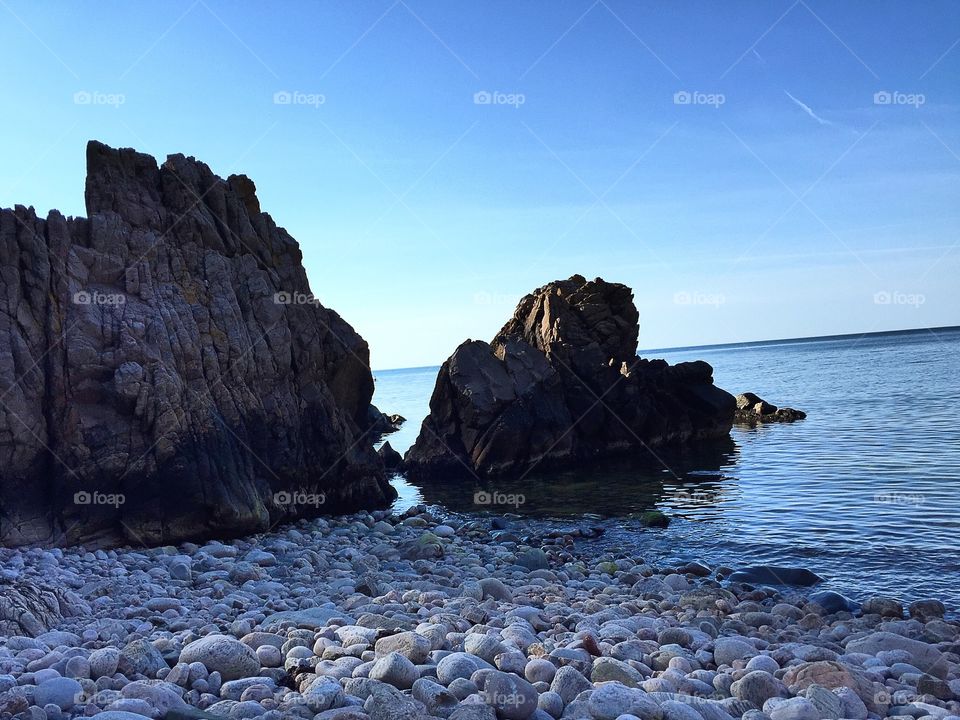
753,409
834,675
223,654
140,657
922,655
561,382
167,373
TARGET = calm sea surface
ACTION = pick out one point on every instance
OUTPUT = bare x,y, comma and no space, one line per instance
865,491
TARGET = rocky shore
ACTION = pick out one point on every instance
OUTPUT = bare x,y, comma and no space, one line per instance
386,617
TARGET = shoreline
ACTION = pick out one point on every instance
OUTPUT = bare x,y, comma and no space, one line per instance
384,603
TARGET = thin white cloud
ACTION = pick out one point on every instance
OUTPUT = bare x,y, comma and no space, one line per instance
807,109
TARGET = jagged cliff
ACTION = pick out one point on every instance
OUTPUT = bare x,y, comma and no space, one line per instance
165,372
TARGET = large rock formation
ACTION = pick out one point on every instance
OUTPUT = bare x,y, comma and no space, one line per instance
165,372
562,382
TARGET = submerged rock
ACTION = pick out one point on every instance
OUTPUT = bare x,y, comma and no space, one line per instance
654,518
167,371
776,575
752,409
562,382
833,602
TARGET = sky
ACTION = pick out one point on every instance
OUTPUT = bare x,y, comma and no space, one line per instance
753,170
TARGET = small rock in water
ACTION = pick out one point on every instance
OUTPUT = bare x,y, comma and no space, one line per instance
775,575
832,602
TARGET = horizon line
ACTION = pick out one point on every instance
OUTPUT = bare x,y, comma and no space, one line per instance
744,343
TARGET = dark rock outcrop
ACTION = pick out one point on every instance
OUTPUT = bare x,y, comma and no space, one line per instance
31,610
165,372
561,382
753,409
392,460
381,424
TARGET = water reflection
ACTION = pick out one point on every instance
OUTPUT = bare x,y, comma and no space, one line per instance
688,481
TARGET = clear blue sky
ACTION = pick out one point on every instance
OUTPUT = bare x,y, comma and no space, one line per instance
777,203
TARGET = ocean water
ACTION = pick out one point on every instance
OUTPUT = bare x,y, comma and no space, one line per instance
865,491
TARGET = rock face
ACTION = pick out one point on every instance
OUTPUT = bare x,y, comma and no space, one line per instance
753,409
165,372
562,382
30,609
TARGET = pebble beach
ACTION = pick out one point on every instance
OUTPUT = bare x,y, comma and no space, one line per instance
418,615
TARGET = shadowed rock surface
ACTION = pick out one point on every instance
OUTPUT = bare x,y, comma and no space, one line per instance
165,371
562,382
